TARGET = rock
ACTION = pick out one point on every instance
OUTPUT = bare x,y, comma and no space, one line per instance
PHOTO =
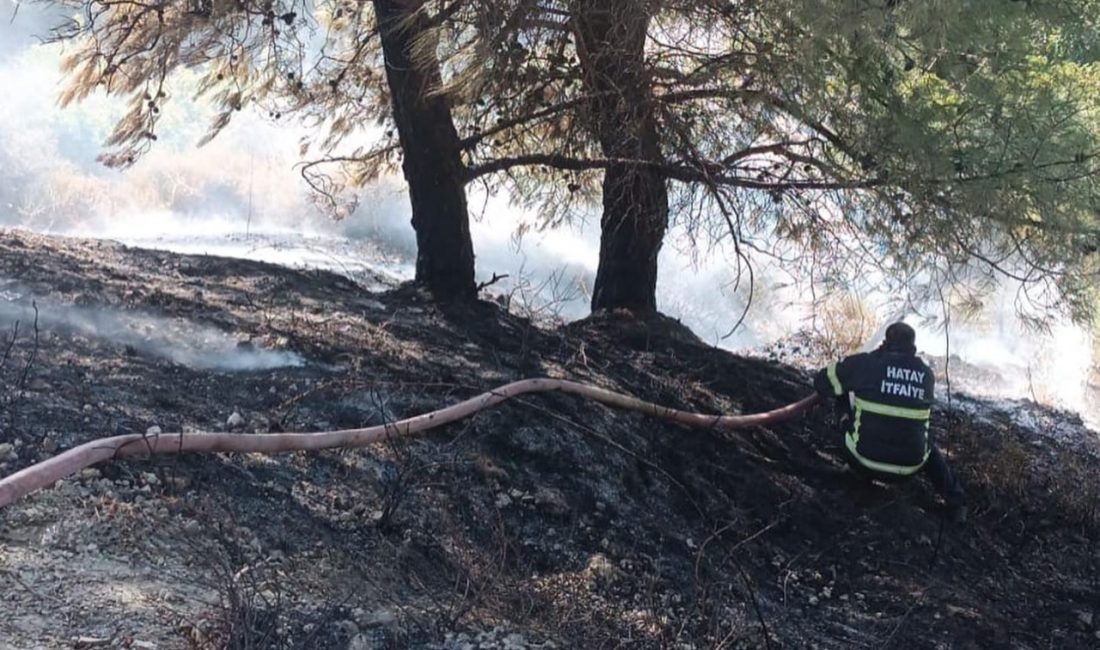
552,500
380,617
150,478
1085,618
490,470
49,445
90,474
235,420
153,431
600,566
6,450
503,500
813,600
179,482
348,628
145,645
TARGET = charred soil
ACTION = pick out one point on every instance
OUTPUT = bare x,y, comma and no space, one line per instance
546,522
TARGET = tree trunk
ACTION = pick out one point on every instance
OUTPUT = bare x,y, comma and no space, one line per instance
611,36
432,158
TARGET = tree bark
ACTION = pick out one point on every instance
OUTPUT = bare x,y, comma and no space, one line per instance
611,37
432,152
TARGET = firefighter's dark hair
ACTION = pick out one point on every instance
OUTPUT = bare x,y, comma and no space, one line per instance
901,337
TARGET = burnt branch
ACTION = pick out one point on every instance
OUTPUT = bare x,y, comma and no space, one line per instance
34,350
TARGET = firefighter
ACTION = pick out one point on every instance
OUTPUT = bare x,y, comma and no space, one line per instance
885,399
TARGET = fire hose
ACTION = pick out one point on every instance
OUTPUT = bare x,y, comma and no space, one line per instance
47,472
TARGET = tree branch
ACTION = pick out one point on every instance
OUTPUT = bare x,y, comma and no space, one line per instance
695,173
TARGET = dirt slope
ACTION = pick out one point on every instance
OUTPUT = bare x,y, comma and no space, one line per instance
549,522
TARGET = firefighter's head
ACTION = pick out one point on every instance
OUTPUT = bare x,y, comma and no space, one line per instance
900,337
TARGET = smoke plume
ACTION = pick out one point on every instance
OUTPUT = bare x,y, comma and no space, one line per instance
178,340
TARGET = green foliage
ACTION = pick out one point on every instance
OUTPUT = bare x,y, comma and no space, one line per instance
895,142
976,123
892,141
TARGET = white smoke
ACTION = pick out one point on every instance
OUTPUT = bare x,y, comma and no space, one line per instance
1052,366
177,339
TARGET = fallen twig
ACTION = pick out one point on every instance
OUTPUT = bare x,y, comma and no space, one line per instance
10,345
34,350
32,591
490,282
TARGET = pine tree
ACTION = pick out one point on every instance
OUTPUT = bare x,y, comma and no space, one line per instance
345,65
896,142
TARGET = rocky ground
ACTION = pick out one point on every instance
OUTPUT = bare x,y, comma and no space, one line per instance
549,522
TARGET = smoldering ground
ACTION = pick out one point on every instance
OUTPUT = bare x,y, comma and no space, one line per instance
178,340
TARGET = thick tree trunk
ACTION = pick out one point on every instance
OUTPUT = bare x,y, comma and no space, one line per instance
611,36
432,157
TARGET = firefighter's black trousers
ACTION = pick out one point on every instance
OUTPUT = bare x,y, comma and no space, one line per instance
935,469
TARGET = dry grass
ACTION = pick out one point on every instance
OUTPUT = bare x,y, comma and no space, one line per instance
1002,469
1075,487
1006,475
845,323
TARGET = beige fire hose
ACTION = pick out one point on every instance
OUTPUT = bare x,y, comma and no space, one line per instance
66,464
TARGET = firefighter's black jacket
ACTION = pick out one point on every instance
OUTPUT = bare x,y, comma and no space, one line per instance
889,395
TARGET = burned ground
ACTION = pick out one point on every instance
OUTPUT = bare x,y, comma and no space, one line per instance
547,522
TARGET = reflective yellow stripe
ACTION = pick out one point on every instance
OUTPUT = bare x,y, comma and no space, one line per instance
893,411
852,440
838,390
